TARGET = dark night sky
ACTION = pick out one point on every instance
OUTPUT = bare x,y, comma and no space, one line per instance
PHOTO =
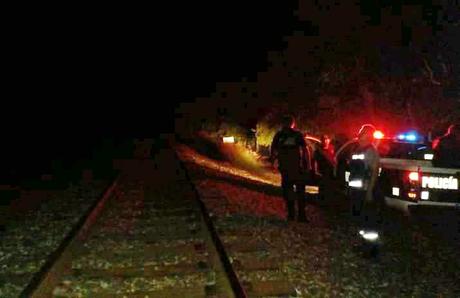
76,73
103,64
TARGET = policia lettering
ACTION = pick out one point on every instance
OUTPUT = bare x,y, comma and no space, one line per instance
440,182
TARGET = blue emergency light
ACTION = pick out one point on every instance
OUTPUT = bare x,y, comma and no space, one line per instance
411,137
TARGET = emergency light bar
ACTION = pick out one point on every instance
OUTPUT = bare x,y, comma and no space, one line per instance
410,137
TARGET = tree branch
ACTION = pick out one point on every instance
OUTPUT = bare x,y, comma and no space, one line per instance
430,72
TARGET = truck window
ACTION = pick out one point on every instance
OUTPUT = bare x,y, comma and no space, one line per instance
392,149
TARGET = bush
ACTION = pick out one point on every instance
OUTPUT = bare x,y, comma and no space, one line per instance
265,133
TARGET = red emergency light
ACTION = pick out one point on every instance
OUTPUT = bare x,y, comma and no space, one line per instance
378,134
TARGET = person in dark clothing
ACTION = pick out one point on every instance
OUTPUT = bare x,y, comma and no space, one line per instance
290,149
447,149
324,164
365,196
364,166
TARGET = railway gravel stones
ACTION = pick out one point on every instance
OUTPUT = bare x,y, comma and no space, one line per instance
150,240
28,241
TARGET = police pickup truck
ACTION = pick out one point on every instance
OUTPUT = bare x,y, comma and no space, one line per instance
407,177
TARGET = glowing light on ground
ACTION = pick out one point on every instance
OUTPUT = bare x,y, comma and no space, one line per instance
190,155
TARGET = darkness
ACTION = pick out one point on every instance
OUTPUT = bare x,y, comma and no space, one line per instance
109,65
79,74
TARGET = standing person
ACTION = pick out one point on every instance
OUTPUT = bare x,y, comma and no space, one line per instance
364,170
324,164
290,149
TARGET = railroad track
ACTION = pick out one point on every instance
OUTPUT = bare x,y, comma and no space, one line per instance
254,264
142,239
259,269
149,238
257,262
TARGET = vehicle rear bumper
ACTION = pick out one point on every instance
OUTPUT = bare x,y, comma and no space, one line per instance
406,206
401,205
440,204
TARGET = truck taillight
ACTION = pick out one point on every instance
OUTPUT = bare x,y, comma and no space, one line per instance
413,176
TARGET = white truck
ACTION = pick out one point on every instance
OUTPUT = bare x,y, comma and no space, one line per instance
407,177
